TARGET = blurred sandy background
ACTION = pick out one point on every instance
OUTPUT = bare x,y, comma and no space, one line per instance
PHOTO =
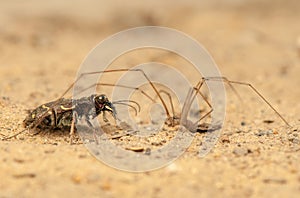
42,44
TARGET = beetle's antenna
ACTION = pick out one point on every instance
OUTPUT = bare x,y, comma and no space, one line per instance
132,101
121,103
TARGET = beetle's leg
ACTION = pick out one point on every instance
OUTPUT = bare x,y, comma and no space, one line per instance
72,130
104,117
113,112
94,130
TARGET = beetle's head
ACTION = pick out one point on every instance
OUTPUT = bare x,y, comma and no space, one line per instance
100,101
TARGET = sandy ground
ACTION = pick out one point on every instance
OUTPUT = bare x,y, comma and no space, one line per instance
43,44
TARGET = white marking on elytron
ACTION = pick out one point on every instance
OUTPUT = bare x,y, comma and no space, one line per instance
66,108
45,107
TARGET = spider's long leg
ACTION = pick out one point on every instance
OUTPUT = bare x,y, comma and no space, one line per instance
113,85
122,70
230,82
171,120
170,100
191,97
14,135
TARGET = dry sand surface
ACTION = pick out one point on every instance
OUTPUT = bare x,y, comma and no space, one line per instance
42,45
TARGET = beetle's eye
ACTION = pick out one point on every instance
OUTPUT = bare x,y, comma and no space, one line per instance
102,98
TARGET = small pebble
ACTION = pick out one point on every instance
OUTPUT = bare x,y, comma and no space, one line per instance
268,121
136,149
148,151
225,139
172,168
49,151
25,175
92,178
275,180
105,186
240,151
149,128
76,179
19,160
295,134
5,98
156,143
293,139
82,155
261,133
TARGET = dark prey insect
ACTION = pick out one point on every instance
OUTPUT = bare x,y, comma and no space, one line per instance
64,113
